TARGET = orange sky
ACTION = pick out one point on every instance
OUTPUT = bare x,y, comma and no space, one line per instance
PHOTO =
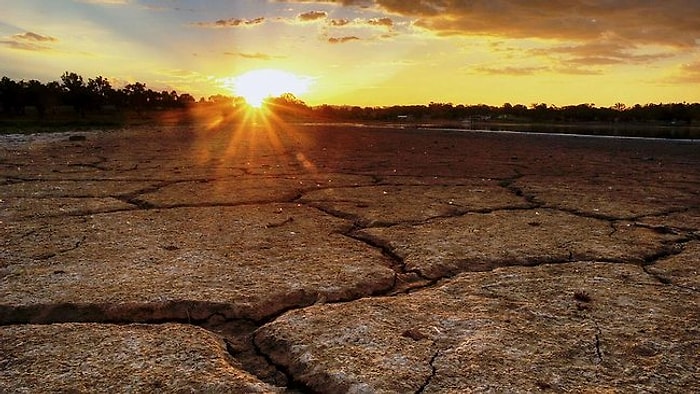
370,52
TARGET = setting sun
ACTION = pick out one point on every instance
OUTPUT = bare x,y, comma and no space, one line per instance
255,86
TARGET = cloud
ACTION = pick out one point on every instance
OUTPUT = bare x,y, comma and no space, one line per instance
688,73
31,36
671,22
341,40
232,22
517,71
510,70
29,41
312,16
256,56
573,69
602,53
375,22
23,45
360,3
107,2
338,22
385,22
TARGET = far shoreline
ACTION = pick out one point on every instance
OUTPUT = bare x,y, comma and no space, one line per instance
113,120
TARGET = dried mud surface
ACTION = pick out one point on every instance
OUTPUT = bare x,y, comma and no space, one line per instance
272,257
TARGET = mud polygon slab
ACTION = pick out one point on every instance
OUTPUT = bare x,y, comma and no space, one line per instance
478,242
119,358
612,197
238,190
391,204
685,219
19,209
682,269
565,327
86,188
246,261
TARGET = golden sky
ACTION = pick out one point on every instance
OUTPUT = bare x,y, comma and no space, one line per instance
370,52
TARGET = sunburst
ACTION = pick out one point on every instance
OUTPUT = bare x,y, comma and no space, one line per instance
257,85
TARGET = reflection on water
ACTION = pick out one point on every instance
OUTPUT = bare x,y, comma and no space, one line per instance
614,130
602,130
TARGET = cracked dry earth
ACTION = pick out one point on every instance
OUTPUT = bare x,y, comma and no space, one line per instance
288,258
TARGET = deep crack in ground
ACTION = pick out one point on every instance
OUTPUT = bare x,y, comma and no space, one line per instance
241,331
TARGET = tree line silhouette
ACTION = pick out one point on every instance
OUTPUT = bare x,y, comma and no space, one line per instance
97,94
677,113
93,95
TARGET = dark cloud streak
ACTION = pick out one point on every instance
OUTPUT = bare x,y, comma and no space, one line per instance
29,41
510,70
386,22
31,36
312,16
338,22
671,22
341,40
359,3
601,53
255,56
232,22
688,73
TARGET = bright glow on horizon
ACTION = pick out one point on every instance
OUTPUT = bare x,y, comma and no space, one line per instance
257,85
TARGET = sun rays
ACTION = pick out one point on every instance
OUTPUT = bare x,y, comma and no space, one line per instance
250,141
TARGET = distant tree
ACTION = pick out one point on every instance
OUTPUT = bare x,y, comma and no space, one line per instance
694,113
619,107
168,99
11,96
506,109
287,105
153,99
136,97
325,111
540,112
76,92
186,99
220,99
100,91
118,98
440,110
519,110
42,97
